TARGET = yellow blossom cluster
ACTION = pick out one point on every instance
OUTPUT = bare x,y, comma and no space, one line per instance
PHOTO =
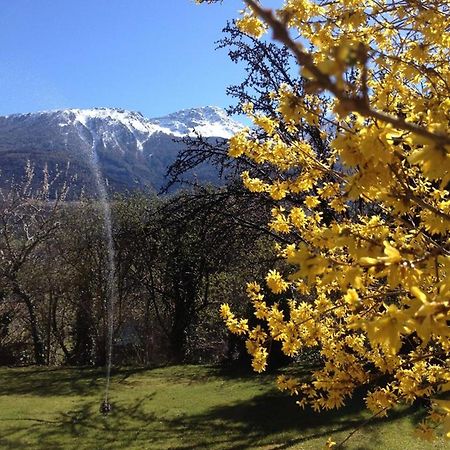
370,280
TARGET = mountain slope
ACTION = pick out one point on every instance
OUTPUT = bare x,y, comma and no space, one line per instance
133,152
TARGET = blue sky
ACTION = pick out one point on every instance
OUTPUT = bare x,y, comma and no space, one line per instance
153,56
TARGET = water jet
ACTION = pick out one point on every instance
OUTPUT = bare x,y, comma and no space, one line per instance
100,184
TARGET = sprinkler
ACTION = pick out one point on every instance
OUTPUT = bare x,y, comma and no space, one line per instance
105,407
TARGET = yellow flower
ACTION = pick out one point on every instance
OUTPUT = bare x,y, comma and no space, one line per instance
259,361
387,329
444,405
251,25
351,297
278,190
225,311
275,282
376,272
297,217
425,432
311,201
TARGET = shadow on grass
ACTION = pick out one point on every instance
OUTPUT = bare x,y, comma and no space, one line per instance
88,381
188,374
266,419
82,427
50,382
61,381
275,419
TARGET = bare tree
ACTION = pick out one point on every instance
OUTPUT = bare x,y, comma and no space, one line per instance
28,220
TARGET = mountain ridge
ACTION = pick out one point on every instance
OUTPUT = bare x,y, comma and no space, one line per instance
133,151
187,120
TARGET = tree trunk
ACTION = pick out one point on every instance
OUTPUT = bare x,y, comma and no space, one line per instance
38,342
36,335
184,309
57,334
84,346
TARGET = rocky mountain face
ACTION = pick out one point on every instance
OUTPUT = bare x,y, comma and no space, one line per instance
132,152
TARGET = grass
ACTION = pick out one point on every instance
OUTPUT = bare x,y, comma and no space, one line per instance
179,407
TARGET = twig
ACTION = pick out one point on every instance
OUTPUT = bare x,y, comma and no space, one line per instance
355,104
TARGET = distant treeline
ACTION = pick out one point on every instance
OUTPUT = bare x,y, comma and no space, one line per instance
177,259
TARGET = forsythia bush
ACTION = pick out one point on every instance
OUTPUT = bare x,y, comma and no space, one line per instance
370,290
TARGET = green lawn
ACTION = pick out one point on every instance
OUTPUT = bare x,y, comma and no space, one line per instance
178,407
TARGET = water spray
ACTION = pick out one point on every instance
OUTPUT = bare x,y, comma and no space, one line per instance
105,406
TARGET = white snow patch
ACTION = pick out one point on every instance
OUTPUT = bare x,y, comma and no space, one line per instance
106,124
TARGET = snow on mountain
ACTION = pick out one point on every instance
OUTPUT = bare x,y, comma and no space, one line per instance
209,121
133,151
103,123
109,124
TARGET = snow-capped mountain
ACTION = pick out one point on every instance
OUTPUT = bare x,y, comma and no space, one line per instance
208,121
133,151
